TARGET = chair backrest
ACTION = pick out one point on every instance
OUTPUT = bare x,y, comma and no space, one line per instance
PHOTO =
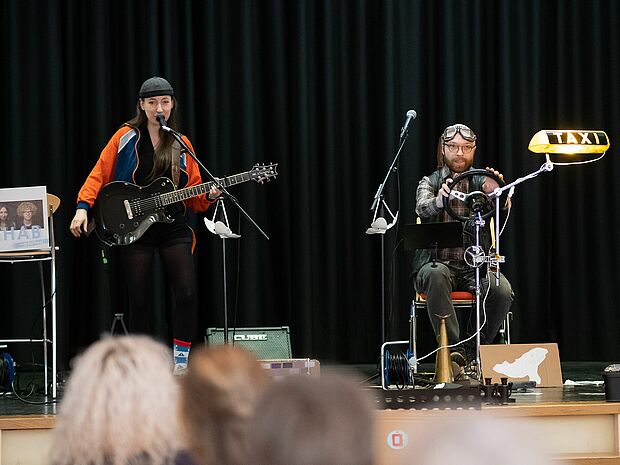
53,202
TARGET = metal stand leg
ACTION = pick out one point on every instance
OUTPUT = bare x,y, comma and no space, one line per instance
118,317
45,379
506,325
382,288
225,292
53,298
413,342
223,230
479,224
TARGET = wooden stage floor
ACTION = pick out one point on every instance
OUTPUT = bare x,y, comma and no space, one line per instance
580,426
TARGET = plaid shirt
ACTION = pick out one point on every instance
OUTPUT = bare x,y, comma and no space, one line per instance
426,207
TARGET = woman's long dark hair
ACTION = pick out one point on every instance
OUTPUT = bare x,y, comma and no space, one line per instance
161,157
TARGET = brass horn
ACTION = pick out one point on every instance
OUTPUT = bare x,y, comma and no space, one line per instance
443,363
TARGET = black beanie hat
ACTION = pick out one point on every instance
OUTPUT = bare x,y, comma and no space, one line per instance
155,86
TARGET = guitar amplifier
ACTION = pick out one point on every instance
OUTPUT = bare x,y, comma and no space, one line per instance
266,343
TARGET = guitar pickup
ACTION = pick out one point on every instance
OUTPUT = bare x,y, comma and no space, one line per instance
128,209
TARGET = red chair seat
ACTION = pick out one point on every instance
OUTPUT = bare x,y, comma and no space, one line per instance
455,296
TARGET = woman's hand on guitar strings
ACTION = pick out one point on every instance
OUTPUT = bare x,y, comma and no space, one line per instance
214,193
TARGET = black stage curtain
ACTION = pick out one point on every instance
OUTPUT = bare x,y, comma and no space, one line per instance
322,88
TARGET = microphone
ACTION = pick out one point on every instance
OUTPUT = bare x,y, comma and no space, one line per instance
162,121
411,115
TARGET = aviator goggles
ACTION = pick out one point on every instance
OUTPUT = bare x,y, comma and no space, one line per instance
464,131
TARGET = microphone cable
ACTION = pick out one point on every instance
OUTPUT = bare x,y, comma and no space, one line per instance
511,192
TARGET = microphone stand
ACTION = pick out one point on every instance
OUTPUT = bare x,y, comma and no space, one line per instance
479,224
210,176
380,226
223,230
378,196
223,189
496,259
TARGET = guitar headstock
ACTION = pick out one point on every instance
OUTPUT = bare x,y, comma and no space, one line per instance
263,173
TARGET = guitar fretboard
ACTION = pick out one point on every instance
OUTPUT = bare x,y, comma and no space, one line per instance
194,191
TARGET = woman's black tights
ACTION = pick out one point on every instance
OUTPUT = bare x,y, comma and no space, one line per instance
179,268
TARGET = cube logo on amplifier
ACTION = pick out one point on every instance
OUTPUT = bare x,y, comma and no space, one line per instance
266,343
250,337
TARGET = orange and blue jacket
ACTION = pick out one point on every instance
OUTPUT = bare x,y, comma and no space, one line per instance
119,161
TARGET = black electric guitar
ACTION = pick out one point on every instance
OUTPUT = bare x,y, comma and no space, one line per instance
124,211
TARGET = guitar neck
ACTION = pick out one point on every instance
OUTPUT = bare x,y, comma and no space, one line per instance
199,189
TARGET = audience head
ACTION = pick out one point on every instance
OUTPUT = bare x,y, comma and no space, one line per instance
119,407
305,420
218,396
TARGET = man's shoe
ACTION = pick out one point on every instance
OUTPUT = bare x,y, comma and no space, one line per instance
458,358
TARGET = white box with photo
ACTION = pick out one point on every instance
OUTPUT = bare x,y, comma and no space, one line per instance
23,219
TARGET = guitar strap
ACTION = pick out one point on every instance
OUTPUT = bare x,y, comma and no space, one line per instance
176,162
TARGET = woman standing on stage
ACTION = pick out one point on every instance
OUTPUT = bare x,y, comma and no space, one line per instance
140,152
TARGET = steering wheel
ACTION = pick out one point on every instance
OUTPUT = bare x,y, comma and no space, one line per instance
476,201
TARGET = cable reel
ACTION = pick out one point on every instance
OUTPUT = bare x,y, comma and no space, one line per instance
7,371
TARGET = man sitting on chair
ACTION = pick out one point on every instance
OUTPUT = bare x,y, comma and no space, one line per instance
449,273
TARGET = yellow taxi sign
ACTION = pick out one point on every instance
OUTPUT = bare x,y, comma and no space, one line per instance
569,141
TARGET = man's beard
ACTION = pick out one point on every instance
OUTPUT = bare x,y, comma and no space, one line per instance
458,168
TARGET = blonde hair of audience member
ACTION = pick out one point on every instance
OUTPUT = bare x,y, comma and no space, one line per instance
314,421
120,406
218,396
478,439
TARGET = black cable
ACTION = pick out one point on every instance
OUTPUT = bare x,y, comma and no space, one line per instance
32,326
32,355
32,387
31,402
